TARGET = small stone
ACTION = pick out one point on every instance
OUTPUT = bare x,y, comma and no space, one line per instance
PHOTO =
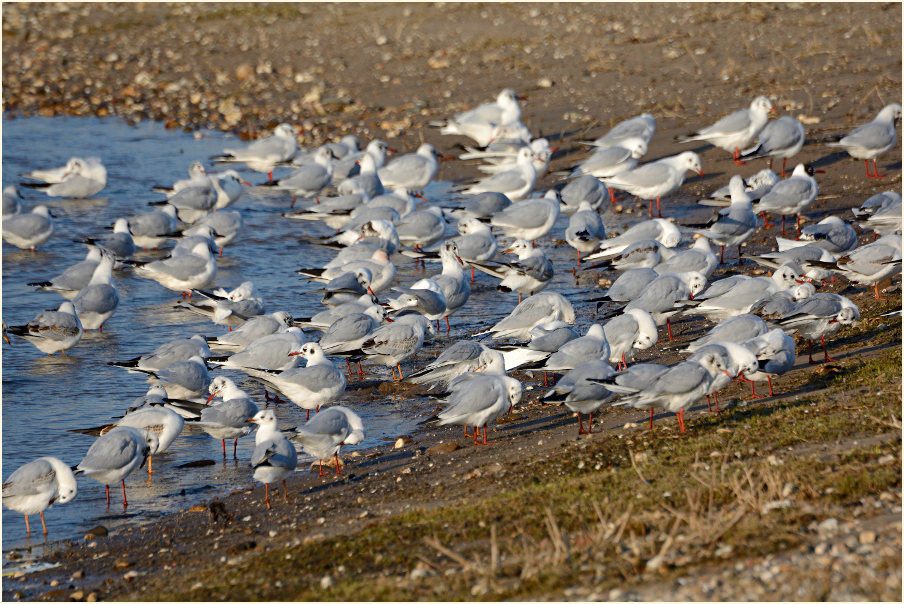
122,563
54,583
97,532
399,443
92,597
788,489
447,447
867,537
616,595
14,556
544,83
326,582
198,508
381,40
77,595
130,575
829,525
79,574
244,71
417,573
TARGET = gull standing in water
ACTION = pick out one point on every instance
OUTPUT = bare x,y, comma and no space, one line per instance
36,486
274,457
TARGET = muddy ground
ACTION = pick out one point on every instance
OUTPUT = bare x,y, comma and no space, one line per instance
385,71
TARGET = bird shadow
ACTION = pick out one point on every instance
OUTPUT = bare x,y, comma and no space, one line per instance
828,160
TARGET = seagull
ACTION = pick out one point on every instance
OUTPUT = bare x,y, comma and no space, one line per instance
645,253
735,224
481,205
642,126
12,202
349,332
656,179
476,402
274,457
271,352
346,287
230,417
76,277
659,229
789,197
831,233
699,257
584,188
592,345
459,358
737,294
755,186
323,436
252,329
421,229
585,229
183,379
775,352
515,183
870,263
529,219
308,180
783,138
736,130
182,273
478,123
264,154
881,213
529,274
79,179
475,243
871,140
541,308
97,301
52,330
226,307
224,224
398,341
194,201
115,455
316,384
452,280
628,286
413,171
818,316
575,391
150,229
28,230
119,242
545,339
673,389
662,296
36,486
161,421
635,329
607,162
737,329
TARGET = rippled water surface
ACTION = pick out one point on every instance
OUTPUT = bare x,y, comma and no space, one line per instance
44,397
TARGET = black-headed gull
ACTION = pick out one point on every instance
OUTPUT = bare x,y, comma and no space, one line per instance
97,301
475,242
529,219
584,188
310,387
868,264
873,139
736,130
776,354
120,241
193,202
789,197
452,280
481,205
366,180
182,379
628,285
881,213
252,329
663,296
659,229
12,202
643,126
515,182
735,224
323,436
229,417
28,230
818,316
308,180
591,345
585,229
611,161
421,229
478,401
578,394
264,154
115,455
540,308
783,138
699,257
736,359
459,358
424,296
350,165
673,389
831,233
778,304
398,341
150,229
635,329
270,352
413,171
182,273
52,330
656,179
737,329
166,354
545,339
529,274
274,457
325,318
161,421
349,332
74,278
737,294
478,123
79,178
226,307
225,225
37,485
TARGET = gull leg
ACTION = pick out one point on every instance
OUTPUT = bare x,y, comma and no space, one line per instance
285,491
736,156
336,455
825,352
108,495
267,495
235,444
580,425
651,419
27,528
42,522
769,379
810,351
766,224
125,502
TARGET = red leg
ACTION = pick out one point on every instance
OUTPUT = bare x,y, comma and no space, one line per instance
580,425
108,495
349,365
651,419
448,327
722,254
737,159
267,494
680,421
875,170
27,528
285,491
307,414
472,274
784,160
360,369
668,325
336,455
876,287
651,208
611,195
624,362
715,400
590,424
825,352
235,445
769,379
708,405
485,441
466,432
476,433
798,226
321,466
783,225
224,448
42,522
810,351
125,502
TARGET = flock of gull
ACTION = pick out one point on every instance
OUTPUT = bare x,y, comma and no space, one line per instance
662,273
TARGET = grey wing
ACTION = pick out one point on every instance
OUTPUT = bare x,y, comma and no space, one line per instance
471,396
402,168
191,375
54,325
195,198
787,192
111,451
682,378
554,340
321,377
307,177
474,246
462,350
25,225
347,329
737,329
815,306
30,479
645,176
735,223
233,413
538,267
686,260
870,258
631,283
871,135
721,287
659,295
180,267
510,180
390,339
328,422
524,214
781,134
620,331
76,276
96,298
733,122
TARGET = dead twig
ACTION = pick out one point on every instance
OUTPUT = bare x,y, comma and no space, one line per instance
636,469
435,544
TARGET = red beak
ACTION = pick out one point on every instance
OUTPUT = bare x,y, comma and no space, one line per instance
294,354
210,398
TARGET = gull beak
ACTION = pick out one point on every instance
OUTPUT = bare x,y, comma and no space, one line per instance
294,354
370,291
251,421
726,373
700,172
460,261
246,183
508,251
773,112
211,397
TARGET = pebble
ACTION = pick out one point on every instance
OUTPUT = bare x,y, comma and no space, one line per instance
326,582
77,595
446,447
867,537
829,525
122,563
79,574
92,597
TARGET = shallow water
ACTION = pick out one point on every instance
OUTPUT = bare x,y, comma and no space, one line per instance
43,397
